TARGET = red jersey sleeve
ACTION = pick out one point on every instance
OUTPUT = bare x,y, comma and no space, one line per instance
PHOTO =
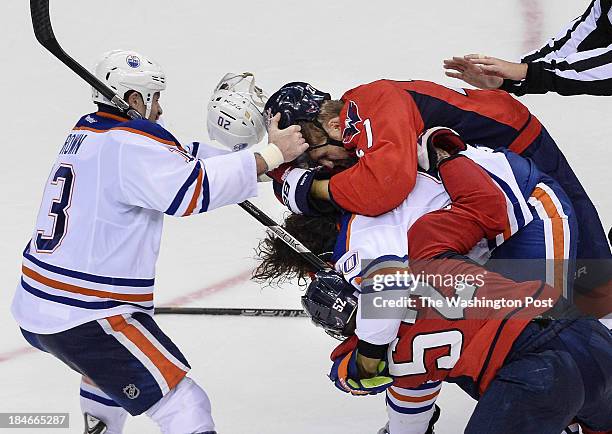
478,211
381,123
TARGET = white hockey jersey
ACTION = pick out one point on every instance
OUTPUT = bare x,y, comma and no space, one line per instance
98,231
366,244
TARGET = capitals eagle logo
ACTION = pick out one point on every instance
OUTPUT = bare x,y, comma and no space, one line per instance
351,122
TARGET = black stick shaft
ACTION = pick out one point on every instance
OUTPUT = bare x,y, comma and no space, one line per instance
229,311
285,236
44,33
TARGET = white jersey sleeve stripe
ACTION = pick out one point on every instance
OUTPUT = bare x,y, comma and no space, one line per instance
196,194
205,194
180,196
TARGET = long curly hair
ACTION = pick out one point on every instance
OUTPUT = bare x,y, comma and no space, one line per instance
279,262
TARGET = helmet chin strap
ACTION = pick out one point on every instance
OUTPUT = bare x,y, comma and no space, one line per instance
149,106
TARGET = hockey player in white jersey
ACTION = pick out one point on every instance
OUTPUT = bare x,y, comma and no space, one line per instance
88,274
497,193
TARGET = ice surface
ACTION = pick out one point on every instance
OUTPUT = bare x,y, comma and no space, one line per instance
264,375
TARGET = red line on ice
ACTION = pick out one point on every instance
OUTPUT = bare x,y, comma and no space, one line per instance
216,287
533,21
184,299
16,353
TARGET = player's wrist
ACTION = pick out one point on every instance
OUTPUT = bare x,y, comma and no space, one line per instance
320,189
272,156
260,165
372,351
519,71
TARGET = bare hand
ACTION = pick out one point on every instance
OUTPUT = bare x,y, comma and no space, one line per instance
289,140
499,68
464,69
367,366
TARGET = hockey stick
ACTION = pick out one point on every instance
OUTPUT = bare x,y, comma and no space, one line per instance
285,236
44,33
229,311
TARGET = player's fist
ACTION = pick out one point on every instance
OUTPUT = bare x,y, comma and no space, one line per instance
289,140
346,377
436,144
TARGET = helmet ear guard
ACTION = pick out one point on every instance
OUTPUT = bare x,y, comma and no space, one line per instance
234,116
331,304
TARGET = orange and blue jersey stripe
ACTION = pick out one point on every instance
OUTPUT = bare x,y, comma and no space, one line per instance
547,207
83,290
194,194
101,122
518,212
414,400
166,368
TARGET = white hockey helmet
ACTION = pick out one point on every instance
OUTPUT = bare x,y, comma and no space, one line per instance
235,116
124,70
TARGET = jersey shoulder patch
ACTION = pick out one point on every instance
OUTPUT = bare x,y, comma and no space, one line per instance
351,123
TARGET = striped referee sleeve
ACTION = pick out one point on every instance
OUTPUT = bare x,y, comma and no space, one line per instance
577,61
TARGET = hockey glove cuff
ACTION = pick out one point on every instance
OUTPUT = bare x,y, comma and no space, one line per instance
296,193
435,140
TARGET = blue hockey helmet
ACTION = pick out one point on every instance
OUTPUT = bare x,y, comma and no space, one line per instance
296,101
331,303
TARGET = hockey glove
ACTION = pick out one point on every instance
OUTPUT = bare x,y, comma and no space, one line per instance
345,375
296,193
435,144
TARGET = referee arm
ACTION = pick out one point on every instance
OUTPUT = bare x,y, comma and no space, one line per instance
577,61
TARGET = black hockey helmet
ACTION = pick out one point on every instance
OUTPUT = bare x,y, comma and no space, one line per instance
331,303
296,101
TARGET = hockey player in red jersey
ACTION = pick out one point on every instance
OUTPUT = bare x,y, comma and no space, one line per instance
377,125
470,346
87,286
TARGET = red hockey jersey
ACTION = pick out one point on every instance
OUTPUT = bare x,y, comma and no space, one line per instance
382,121
467,341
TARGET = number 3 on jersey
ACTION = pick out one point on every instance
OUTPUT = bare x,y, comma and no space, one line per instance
58,211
